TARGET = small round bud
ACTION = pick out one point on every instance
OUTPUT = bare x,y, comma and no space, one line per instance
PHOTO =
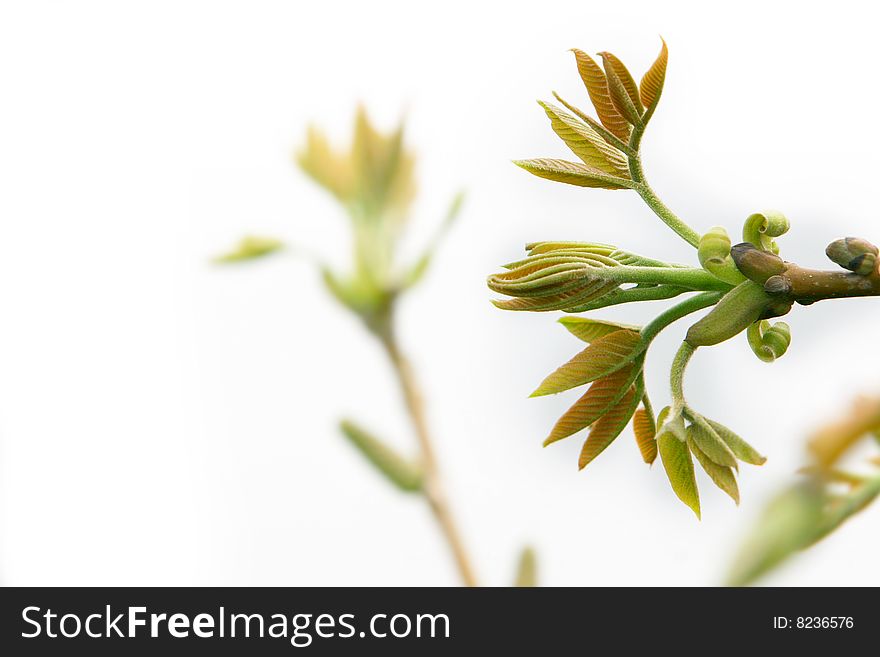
853,253
777,285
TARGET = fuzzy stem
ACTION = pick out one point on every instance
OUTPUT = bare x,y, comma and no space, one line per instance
676,377
691,277
648,195
433,488
692,305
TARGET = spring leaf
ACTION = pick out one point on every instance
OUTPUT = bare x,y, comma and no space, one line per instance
741,449
401,472
722,475
597,86
645,430
602,357
601,396
622,88
585,142
572,173
608,427
710,443
651,85
588,330
679,469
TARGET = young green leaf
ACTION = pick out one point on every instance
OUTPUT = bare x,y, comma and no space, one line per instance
722,475
602,357
585,142
741,449
572,173
710,443
679,469
597,87
588,330
401,472
609,426
601,396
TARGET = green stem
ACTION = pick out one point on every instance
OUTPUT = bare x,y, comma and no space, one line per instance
694,278
644,190
676,377
630,295
433,485
667,317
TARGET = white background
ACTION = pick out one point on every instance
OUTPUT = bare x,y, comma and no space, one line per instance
166,422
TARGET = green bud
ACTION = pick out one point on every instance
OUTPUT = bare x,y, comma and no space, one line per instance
739,308
853,253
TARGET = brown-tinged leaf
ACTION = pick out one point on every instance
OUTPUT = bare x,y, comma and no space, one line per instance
601,396
723,476
645,431
651,85
741,449
588,330
710,443
585,142
572,173
608,427
597,86
561,301
622,88
602,357
679,469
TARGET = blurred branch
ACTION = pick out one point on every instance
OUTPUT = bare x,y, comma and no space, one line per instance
813,508
432,487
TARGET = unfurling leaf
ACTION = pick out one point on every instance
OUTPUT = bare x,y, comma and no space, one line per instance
526,569
609,426
622,88
769,341
601,358
601,396
741,449
679,469
588,330
722,475
652,82
251,247
401,472
710,443
597,86
586,143
761,227
572,173
645,430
